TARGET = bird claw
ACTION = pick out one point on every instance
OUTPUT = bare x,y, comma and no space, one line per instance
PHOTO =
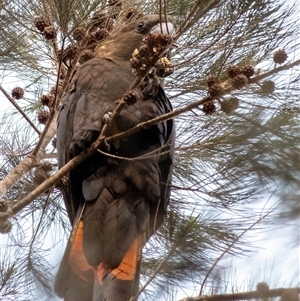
131,97
106,145
107,118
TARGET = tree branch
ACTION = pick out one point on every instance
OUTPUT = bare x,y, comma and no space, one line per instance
100,141
243,296
25,165
274,71
37,154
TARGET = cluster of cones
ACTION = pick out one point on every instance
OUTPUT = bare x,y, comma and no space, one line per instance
239,76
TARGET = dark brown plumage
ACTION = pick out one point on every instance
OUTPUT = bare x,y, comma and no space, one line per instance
125,200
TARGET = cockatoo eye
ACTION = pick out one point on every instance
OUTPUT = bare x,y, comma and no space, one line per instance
140,25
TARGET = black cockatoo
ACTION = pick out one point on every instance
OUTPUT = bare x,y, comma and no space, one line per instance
124,199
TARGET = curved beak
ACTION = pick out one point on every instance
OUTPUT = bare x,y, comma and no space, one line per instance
166,28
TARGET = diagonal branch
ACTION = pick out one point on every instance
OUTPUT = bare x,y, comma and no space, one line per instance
103,140
23,167
229,247
274,71
14,103
100,141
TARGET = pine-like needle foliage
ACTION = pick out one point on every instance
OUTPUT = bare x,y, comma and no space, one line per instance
237,156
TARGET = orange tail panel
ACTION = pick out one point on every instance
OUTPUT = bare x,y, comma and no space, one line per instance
77,259
127,268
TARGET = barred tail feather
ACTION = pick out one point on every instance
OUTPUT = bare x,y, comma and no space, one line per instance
121,283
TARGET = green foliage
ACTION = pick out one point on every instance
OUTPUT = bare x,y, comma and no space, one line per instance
226,166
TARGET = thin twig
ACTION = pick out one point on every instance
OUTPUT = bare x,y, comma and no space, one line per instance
121,105
195,14
14,103
151,154
158,269
170,253
228,248
205,48
273,71
35,234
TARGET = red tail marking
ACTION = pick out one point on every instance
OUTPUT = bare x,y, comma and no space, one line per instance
77,259
100,272
127,268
